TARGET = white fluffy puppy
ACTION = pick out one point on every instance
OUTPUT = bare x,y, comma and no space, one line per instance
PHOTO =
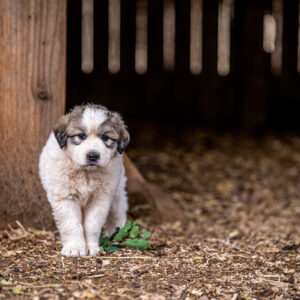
81,169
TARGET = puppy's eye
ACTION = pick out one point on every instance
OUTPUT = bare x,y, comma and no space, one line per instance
82,136
105,138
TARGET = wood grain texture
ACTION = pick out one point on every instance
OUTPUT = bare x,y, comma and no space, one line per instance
32,97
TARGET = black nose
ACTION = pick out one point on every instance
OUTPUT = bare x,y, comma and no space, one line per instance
93,156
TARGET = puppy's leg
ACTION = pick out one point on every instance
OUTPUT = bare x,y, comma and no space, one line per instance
118,213
95,215
68,217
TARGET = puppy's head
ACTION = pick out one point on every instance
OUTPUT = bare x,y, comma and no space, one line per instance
91,135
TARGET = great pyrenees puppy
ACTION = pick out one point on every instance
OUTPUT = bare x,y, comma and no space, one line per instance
81,169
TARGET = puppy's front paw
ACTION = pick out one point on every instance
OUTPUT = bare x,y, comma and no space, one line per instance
93,250
74,250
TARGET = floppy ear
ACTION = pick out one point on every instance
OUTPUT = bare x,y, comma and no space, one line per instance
60,131
124,139
115,121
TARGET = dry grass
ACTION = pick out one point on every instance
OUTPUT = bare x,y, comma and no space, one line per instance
241,240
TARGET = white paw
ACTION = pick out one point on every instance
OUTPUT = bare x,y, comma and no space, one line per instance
93,250
74,250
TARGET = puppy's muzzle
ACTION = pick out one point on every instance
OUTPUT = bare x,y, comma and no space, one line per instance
93,157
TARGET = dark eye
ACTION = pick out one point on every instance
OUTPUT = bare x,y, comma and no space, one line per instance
105,138
82,136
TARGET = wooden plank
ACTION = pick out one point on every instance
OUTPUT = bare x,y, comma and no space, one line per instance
32,93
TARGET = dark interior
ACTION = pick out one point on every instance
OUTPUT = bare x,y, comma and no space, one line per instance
250,96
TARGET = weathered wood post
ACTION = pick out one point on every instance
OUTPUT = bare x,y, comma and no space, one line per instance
32,97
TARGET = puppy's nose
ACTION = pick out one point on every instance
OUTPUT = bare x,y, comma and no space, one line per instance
93,156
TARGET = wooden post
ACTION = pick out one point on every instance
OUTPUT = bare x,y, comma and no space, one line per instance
32,97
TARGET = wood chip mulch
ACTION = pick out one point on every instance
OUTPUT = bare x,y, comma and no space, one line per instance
241,239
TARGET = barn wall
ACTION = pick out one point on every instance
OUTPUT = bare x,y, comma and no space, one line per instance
32,97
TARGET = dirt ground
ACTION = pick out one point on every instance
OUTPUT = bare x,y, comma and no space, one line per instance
241,240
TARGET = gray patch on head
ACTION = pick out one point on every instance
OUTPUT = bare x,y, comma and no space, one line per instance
75,140
116,129
110,144
68,125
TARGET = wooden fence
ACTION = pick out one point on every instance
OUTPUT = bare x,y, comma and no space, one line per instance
260,89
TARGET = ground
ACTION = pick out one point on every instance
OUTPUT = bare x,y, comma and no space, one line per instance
240,196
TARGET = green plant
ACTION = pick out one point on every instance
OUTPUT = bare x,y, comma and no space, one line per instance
128,236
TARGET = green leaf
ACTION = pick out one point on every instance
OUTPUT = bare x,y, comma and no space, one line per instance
114,248
5,282
114,234
146,234
123,232
135,223
101,237
134,231
102,249
105,242
136,243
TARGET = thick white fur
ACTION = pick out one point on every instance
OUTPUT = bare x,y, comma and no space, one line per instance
83,198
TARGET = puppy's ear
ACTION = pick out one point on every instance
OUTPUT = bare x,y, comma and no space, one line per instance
124,139
60,131
115,120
